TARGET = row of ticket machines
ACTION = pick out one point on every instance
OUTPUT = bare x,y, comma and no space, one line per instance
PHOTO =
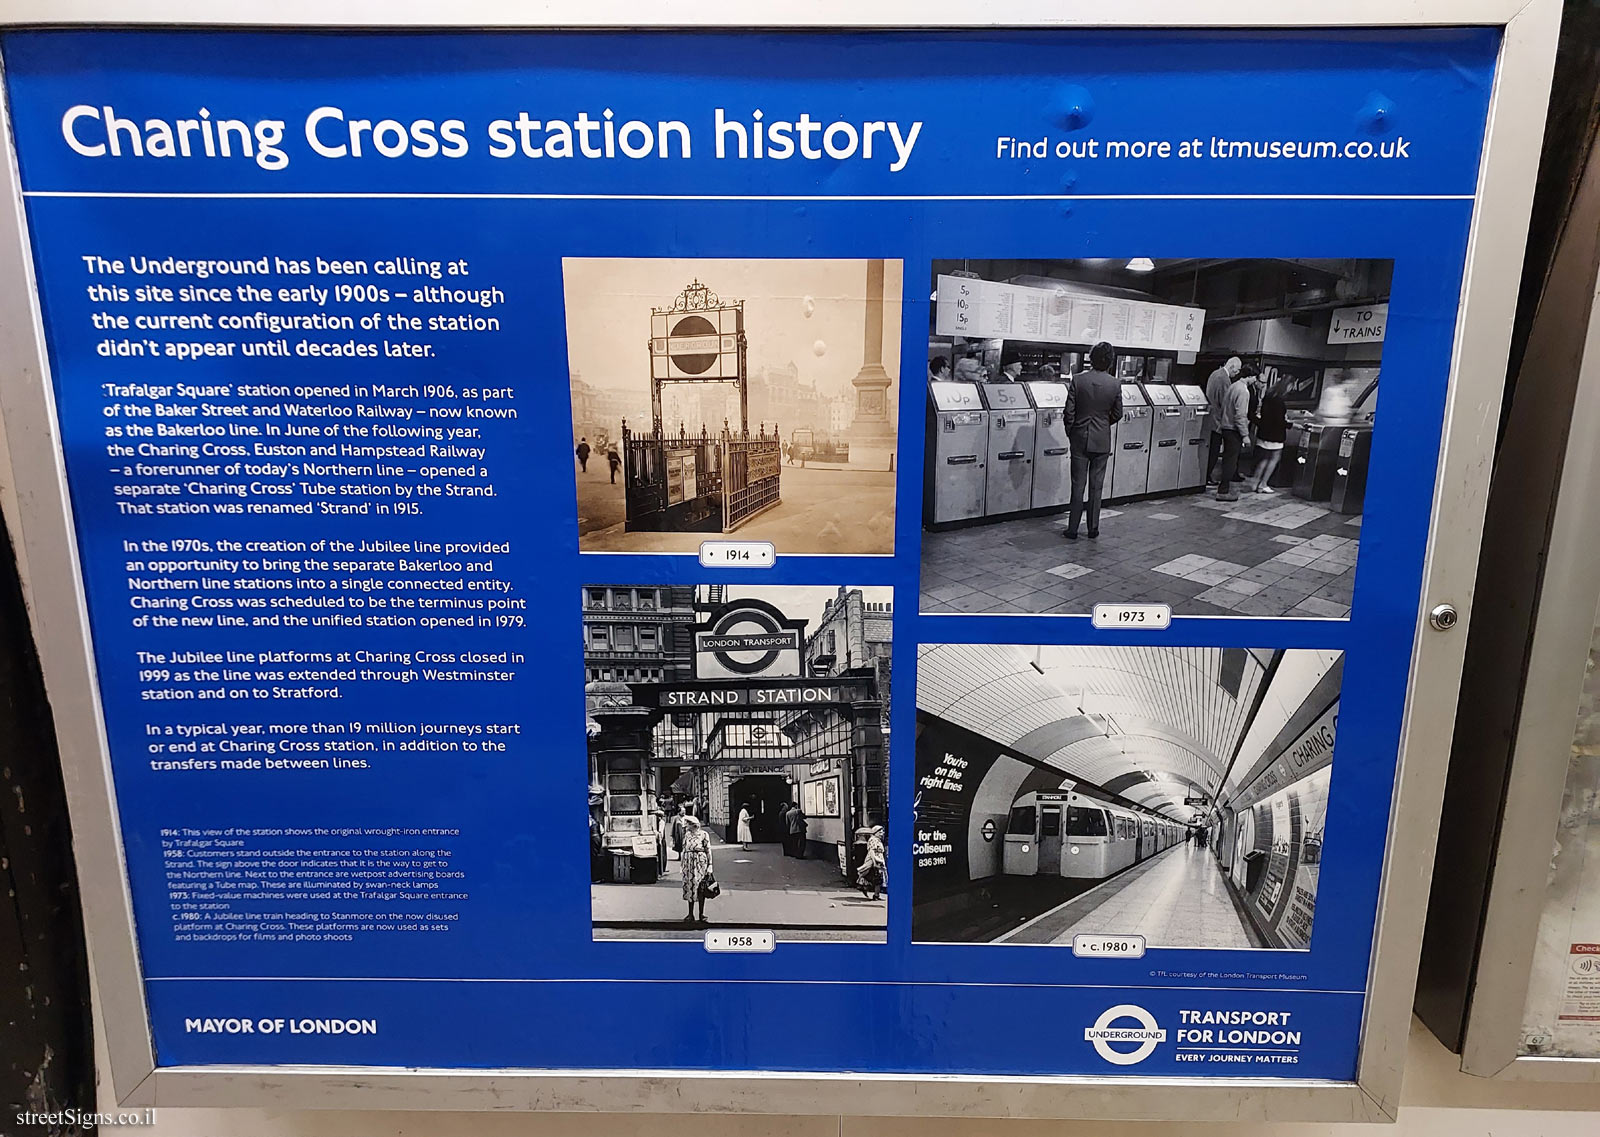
1001,448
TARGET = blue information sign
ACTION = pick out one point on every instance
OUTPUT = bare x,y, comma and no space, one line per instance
400,379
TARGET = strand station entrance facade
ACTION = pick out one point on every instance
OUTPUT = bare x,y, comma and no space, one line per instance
752,729
713,481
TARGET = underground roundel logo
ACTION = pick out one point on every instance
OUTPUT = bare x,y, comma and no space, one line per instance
1109,1029
747,640
695,344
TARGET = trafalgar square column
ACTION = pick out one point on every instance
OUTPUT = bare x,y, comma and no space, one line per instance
872,434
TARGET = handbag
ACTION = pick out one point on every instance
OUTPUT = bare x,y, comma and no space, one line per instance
709,888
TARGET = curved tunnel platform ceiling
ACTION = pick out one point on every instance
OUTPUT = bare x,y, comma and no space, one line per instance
1154,725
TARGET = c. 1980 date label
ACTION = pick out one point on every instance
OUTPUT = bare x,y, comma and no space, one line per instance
1108,947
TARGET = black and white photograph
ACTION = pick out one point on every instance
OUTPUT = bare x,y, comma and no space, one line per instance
1191,432
738,760
1178,794
748,397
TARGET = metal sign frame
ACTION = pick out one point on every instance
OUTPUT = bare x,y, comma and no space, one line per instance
38,512
1557,608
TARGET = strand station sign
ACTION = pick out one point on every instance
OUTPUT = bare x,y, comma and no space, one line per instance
775,693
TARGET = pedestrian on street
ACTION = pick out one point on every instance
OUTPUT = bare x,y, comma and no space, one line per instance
783,825
744,827
659,817
796,823
1217,387
614,460
1235,423
677,830
583,454
597,852
697,868
872,877
1095,406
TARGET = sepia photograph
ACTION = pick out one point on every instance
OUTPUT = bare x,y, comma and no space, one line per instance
1190,432
738,760
1178,794
755,398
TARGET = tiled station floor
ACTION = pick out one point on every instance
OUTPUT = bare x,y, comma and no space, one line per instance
1176,899
1263,555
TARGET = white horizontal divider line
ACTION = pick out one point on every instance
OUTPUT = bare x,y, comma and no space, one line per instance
363,195
723,981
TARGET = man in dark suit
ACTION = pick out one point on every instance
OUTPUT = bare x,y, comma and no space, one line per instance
1096,405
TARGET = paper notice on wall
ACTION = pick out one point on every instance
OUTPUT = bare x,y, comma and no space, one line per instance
1581,1000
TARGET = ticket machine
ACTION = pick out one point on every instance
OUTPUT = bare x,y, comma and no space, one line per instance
1167,415
1008,487
956,460
1196,444
1130,445
1052,465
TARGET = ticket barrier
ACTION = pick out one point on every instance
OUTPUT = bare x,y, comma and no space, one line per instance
1052,457
1008,487
1130,446
957,454
1196,438
1350,473
1316,461
1167,415
1289,465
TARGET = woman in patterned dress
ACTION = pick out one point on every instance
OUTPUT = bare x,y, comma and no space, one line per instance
873,875
695,864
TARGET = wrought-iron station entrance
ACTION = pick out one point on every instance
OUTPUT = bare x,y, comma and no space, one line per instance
711,481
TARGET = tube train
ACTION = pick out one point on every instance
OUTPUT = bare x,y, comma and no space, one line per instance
1069,834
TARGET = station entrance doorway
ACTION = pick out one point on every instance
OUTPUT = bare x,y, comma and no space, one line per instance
710,746
764,795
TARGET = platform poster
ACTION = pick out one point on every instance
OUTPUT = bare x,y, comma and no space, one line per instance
689,535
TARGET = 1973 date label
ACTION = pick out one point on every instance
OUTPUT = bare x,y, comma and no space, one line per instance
1138,616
